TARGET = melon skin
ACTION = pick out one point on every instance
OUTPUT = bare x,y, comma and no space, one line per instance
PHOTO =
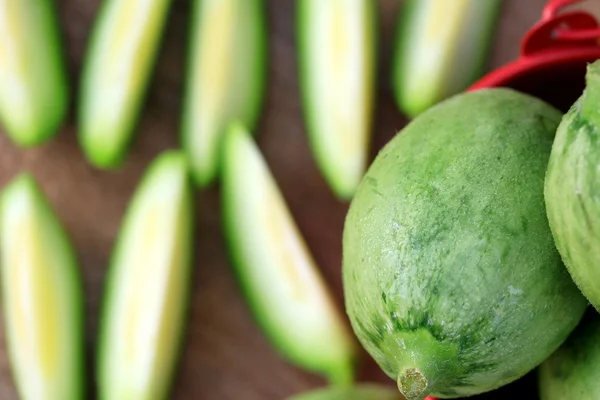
572,186
360,391
572,372
452,281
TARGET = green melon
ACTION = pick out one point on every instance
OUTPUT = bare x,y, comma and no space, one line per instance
441,48
361,391
337,65
451,277
116,75
572,372
572,188
148,286
278,276
34,87
43,311
225,78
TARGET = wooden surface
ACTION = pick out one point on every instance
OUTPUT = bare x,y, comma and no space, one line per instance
225,356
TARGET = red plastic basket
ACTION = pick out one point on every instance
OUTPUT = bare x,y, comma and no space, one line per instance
554,56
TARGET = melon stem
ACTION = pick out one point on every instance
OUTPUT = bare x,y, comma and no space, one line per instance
590,101
413,384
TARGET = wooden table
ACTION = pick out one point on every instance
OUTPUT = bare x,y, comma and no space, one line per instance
225,356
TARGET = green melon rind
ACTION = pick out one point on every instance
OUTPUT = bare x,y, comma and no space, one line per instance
467,187
571,190
166,168
25,190
37,118
322,343
252,71
361,391
107,125
572,372
415,87
342,177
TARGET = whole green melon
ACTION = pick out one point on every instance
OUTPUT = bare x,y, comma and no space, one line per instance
573,371
451,278
572,189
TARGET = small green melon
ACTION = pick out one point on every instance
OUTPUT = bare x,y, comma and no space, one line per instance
572,372
451,277
572,188
360,391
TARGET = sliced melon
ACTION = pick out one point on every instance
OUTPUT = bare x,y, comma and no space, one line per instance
337,61
225,77
33,84
276,272
42,296
116,71
148,286
361,391
441,48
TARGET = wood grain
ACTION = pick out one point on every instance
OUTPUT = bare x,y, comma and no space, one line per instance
225,356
